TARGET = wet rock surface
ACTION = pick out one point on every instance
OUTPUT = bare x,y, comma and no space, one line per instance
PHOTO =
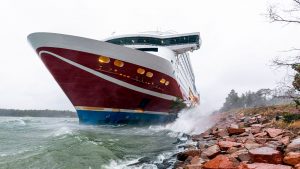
240,141
265,155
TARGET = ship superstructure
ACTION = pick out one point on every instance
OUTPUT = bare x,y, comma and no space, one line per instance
136,78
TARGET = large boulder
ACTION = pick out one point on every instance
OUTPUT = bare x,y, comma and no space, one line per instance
292,158
265,155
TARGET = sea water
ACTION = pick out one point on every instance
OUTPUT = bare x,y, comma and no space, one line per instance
62,143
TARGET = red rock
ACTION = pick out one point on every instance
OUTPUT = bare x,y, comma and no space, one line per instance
256,128
230,139
235,126
275,145
294,145
195,160
297,166
243,166
262,134
221,133
252,120
244,157
182,156
242,139
194,166
267,166
220,162
261,140
241,155
250,146
265,155
211,151
232,131
225,145
285,140
292,158
272,132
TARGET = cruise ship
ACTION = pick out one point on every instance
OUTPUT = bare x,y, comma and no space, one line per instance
142,78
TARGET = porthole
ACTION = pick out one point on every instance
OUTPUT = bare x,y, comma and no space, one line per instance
162,81
149,74
118,63
167,83
104,59
140,71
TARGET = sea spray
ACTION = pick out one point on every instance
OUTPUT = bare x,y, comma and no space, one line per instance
191,121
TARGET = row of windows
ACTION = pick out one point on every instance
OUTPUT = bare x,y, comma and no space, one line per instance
156,41
118,63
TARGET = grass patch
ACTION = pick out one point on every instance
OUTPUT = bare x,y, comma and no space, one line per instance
289,117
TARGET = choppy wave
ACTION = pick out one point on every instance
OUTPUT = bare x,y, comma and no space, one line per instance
63,143
13,121
62,131
191,121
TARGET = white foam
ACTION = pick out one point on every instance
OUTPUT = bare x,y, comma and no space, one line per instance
191,121
124,165
62,131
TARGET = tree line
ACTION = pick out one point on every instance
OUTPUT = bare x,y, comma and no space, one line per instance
36,113
262,97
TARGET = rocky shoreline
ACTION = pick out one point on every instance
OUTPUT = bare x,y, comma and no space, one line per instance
243,140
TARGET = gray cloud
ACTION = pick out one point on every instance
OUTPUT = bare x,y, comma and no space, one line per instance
238,42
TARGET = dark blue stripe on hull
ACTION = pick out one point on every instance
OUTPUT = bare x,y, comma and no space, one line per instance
101,117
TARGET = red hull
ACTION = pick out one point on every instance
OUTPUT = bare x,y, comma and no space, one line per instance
89,90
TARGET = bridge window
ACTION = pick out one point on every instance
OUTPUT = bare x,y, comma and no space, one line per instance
155,41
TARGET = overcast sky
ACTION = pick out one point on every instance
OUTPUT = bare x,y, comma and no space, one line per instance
238,42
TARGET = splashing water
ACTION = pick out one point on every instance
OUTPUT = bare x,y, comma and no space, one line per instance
191,121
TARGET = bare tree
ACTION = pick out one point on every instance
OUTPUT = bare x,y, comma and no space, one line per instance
285,15
292,60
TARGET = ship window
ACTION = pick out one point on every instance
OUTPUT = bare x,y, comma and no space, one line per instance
167,83
162,81
149,74
148,49
140,71
156,41
104,59
118,63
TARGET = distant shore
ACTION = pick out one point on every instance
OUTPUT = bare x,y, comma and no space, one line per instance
37,113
